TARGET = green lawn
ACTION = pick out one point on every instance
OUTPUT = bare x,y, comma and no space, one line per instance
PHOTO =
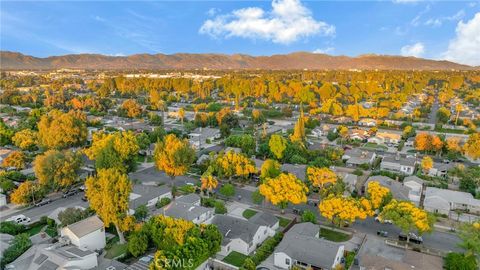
35,229
374,145
283,221
116,250
235,258
249,213
52,232
333,235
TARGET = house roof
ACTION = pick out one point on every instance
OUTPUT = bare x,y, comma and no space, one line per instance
191,198
233,228
300,244
185,211
264,219
299,170
86,226
413,178
141,194
404,161
450,196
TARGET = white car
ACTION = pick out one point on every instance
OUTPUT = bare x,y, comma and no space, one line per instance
20,219
386,221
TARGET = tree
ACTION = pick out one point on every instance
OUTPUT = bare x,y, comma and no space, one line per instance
423,142
174,156
209,182
6,134
283,189
427,164
114,150
257,197
132,108
472,146
19,245
453,145
319,177
108,193
309,216
181,114
408,132
299,129
270,169
57,168
342,131
15,159
470,179
443,115
277,145
25,139
72,215
470,235
61,130
137,244
343,210
246,142
26,193
408,217
141,212
459,261
233,164
227,190
377,194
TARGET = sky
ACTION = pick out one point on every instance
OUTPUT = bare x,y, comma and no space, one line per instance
431,29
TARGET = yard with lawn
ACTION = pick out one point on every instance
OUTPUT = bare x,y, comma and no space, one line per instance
116,250
235,258
35,229
283,222
248,213
334,235
375,146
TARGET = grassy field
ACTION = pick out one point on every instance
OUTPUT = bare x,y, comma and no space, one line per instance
235,258
249,213
36,229
333,235
283,221
116,250
374,145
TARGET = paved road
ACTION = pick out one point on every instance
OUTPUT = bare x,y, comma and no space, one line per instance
35,213
432,117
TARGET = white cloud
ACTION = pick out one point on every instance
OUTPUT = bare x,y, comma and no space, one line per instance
211,12
287,22
416,49
405,1
465,47
436,22
327,50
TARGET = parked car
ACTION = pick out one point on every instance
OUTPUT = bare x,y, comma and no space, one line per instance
413,238
297,211
385,221
382,233
70,193
43,202
19,219
84,198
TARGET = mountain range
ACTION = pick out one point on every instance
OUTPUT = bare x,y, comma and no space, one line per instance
298,60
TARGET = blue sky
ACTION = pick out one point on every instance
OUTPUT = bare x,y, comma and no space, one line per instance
431,29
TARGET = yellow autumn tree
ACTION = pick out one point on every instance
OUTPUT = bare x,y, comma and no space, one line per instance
453,144
427,164
423,142
61,130
234,164
25,139
472,146
181,114
132,108
25,193
15,159
174,156
319,177
408,217
283,189
209,182
57,169
343,210
108,194
270,169
377,194
299,129
277,145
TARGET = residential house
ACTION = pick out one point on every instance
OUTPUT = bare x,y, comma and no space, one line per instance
376,254
410,142
415,184
302,247
398,190
266,219
147,195
399,164
188,208
385,138
350,180
443,201
299,170
358,134
239,235
56,256
88,233
200,137
440,169
367,122
355,157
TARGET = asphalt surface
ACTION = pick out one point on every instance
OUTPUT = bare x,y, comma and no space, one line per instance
432,117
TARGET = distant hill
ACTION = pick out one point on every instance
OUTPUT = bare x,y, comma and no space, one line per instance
298,60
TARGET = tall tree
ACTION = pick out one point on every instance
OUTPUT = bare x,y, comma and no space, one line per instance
57,169
277,145
427,164
108,193
284,189
343,210
174,156
60,130
26,139
299,129
319,177
472,146
15,159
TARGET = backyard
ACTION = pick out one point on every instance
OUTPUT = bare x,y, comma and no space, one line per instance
334,235
235,258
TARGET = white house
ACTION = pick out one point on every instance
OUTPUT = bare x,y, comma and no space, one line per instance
385,137
88,233
443,201
415,184
239,235
301,247
368,122
399,164
202,136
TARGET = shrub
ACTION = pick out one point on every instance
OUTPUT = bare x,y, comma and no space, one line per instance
20,244
208,202
163,202
266,248
458,261
296,159
227,190
137,244
220,208
10,227
309,216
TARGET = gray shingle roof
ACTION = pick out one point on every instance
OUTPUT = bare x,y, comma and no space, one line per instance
191,198
264,219
86,226
185,211
232,228
146,193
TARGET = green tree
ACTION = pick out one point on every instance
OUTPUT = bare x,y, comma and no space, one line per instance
458,261
141,212
72,215
309,216
137,243
270,169
227,190
257,197
277,145
57,168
